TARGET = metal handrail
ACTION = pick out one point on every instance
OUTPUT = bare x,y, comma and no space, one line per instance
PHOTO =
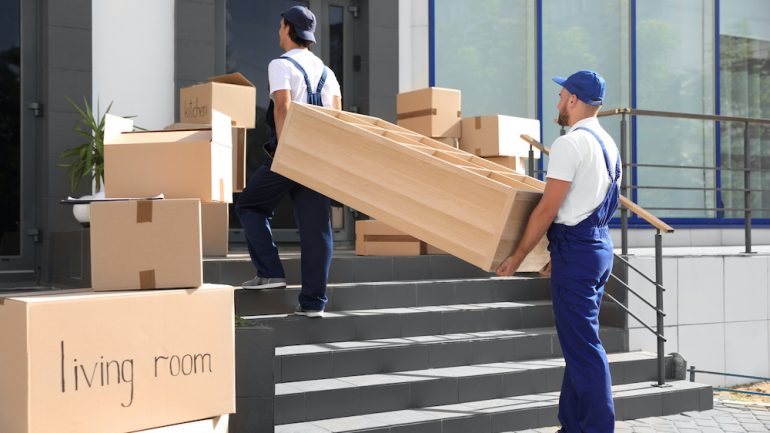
681,115
694,167
747,190
654,221
692,371
633,207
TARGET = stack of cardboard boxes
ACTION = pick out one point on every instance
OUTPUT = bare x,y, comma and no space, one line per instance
125,356
236,96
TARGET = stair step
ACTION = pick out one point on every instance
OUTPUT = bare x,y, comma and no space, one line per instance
394,294
406,322
349,358
347,268
633,400
356,395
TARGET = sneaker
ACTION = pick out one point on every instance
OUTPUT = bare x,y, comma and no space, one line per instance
257,283
299,311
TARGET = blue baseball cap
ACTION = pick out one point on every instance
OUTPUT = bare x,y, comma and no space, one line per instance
303,21
587,85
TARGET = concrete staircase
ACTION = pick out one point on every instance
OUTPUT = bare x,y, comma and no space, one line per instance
431,344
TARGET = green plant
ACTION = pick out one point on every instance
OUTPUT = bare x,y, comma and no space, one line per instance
88,157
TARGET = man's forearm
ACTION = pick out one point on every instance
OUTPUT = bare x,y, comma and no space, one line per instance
280,116
537,225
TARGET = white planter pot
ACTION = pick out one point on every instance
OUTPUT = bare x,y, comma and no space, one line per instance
82,211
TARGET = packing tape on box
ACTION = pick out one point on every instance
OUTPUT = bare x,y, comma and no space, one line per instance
389,238
478,122
147,279
144,211
221,189
418,113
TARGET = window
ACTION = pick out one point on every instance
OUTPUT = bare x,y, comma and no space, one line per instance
675,72
744,50
486,50
585,35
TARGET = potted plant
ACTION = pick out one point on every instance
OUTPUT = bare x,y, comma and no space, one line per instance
87,159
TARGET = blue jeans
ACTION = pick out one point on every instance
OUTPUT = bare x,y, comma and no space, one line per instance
312,214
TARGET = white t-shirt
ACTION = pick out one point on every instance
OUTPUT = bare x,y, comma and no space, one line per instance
283,75
577,157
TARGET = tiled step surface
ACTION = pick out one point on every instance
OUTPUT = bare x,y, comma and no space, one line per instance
237,268
430,344
632,400
356,395
406,322
349,358
394,294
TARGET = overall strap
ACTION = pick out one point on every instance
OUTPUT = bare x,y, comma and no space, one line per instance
313,98
322,81
606,155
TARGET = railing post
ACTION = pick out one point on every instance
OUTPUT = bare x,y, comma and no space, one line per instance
692,373
659,305
624,188
531,161
746,189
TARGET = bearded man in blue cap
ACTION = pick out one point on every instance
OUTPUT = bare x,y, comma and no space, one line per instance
298,76
581,194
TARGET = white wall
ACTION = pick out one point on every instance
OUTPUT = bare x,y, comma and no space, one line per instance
718,312
413,58
133,59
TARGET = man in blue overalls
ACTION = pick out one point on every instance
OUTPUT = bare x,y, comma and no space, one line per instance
581,194
291,77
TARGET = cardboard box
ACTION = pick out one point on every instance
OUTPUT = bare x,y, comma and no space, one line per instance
239,151
431,250
177,164
433,111
215,224
146,244
219,424
116,362
231,94
498,135
375,238
518,164
460,203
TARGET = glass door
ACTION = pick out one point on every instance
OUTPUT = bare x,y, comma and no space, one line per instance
252,42
17,90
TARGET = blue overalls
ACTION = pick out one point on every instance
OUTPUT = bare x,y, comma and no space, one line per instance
581,262
312,213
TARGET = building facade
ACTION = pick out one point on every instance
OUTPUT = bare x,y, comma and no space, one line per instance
704,57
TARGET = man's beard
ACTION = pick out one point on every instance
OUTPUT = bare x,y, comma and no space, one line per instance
563,119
